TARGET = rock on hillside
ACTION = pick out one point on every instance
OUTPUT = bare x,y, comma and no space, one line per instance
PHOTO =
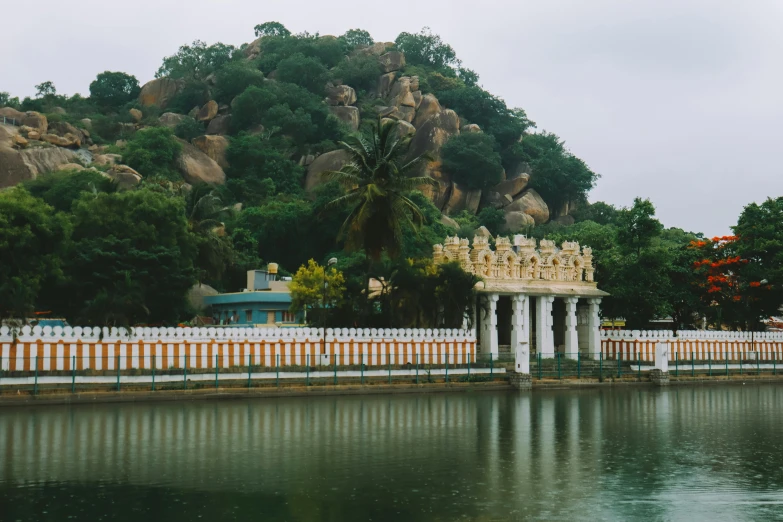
334,160
17,166
196,167
159,91
213,146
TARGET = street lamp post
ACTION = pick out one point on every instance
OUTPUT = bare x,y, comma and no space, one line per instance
330,263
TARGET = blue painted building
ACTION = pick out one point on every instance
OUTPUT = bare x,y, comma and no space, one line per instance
264,303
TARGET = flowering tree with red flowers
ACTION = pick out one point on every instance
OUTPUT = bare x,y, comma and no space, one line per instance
733,287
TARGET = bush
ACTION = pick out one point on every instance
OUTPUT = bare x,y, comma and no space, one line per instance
233,79
114,89
472,161
492,218
153,153
306,72
253,160
193,94
360,72
60,189
357,37
425,48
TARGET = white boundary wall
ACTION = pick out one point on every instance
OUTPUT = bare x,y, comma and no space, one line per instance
57,349
700,345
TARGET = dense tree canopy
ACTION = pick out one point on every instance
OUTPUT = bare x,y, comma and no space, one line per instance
472,161
114,89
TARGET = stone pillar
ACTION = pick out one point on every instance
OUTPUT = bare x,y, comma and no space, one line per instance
489,327
545,340
571,337
520,327
594,328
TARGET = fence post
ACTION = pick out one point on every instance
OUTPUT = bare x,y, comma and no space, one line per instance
758,364
118,374
35,388
361,359
216,371
277,370
677,363
153,372
740,363
73,374
447,367
1,368
491,368
417,368
307,374
578,365
709,363
559,374
693,368
619,363
726,359
389,361
774,363
250,369
468,367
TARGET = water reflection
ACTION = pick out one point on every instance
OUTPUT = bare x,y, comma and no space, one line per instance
678,454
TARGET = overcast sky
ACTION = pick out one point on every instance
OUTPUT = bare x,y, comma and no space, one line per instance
680,101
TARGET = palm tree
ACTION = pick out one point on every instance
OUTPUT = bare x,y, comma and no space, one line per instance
378,179
204,211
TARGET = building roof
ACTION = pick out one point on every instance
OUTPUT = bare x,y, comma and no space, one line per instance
278,293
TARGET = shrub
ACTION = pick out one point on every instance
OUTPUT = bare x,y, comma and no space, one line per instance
153,153
360,72
188,129
114,89
233,79
472,161
304,71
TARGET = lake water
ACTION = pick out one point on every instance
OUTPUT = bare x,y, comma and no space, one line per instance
691,454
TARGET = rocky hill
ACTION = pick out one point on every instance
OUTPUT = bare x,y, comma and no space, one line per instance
226,104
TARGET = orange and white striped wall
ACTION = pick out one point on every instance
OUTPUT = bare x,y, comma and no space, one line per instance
697,345
65,349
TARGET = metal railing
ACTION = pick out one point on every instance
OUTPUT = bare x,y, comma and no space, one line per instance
68,374
11,121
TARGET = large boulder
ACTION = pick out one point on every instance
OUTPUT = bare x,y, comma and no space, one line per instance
334,160
125,177
521,169
136,114
70,166
565,220
376,49
471,127
340,95
220,125
253,49
531,203
447,221
403,127
213,146
9,113
401,94
462,199
19,142
159,91
347,115
171,119
106,159
61,128
392,61
449,121
69,141
429,107
517,221
385,82
196,167
17,166
37,121
512,187
208,111
196,295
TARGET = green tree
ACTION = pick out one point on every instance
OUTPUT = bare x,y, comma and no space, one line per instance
45,89
254,159
196,61
188,129
472,161
205,213
315,288
637,226
272,29
33,242
378,181
114,89
357,37
599,212
234,78
492,218
132,260
153,152
304,71
192,94
558,176
62,188
425,48
7,101
360,71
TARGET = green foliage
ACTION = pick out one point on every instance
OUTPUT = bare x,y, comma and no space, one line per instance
489,112
472,161
304,71
45,89
314,286
271,29
7,101
193,94
114,89
360,72
255,160
196,61
637,226
599,212
132,260
492,218
296,111
559,176
468,76
33,239
153,153
188,129
425,48
234,78
357,37
61,189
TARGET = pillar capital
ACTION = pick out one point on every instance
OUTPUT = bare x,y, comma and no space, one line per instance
493,298
571,300
594,300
